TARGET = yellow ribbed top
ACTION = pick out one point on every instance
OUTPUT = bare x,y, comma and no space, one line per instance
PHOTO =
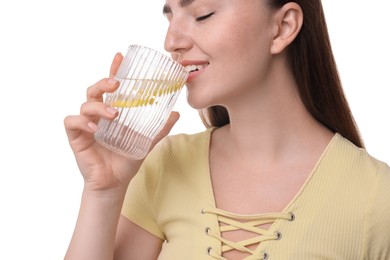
341,212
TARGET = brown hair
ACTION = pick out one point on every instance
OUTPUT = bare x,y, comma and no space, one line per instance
316,74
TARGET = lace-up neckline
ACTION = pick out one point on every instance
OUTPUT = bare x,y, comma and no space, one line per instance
248,223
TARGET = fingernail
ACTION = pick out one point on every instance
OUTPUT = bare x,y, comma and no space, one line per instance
111,110
111,81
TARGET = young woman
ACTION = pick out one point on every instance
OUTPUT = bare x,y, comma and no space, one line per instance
280,172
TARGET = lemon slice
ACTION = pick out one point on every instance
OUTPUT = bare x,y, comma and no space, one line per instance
133,103
146,97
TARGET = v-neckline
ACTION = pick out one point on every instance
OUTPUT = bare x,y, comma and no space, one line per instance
210,188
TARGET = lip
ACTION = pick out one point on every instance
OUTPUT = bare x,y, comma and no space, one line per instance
192,75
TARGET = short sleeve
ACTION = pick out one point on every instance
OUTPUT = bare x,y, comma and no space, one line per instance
377,224
139,203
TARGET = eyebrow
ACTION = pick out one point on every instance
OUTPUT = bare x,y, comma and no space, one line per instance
182,3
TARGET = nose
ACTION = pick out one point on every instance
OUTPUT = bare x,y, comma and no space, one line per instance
177,39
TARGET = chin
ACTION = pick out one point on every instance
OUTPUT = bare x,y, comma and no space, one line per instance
199,102
196,106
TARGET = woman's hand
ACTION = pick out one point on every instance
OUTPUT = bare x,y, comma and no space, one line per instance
101,168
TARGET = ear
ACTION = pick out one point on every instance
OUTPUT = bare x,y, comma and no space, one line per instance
288,23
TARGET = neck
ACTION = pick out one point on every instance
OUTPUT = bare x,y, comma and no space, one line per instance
272,123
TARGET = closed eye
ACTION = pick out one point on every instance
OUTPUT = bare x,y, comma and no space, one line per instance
204,17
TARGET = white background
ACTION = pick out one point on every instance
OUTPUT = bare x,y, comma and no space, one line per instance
51,51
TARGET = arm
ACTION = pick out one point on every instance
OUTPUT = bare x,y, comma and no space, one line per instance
133,242
102,233
94,234
106,178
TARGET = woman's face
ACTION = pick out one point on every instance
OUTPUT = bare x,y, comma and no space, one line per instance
225,44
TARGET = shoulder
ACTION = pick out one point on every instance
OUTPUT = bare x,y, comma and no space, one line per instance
358,160
177,151
358,174
182,145
183,141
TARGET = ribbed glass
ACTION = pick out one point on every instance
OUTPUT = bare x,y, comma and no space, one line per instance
150,83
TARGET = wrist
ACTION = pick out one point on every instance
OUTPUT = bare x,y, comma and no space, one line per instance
107,196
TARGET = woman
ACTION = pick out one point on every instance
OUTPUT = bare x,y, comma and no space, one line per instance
280,173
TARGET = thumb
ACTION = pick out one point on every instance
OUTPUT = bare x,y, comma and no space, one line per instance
173,118
116,62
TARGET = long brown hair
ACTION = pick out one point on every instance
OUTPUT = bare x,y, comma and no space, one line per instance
315,71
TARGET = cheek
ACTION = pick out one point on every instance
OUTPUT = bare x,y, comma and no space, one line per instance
245,49
239,54
235,39
244,38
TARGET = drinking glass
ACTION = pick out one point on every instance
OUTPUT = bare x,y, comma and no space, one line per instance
150,83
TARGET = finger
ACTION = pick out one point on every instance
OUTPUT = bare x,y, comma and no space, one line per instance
116,62
96,110
74,124
96,91
173,118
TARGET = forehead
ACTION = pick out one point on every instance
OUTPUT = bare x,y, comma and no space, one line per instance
180,3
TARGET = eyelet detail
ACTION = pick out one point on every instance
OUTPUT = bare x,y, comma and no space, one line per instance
207,230
209,250
265,255
292,216
278,235
202,211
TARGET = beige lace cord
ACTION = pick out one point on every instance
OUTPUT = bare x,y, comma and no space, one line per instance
252,221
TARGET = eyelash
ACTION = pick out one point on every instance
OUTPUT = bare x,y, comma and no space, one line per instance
204,17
